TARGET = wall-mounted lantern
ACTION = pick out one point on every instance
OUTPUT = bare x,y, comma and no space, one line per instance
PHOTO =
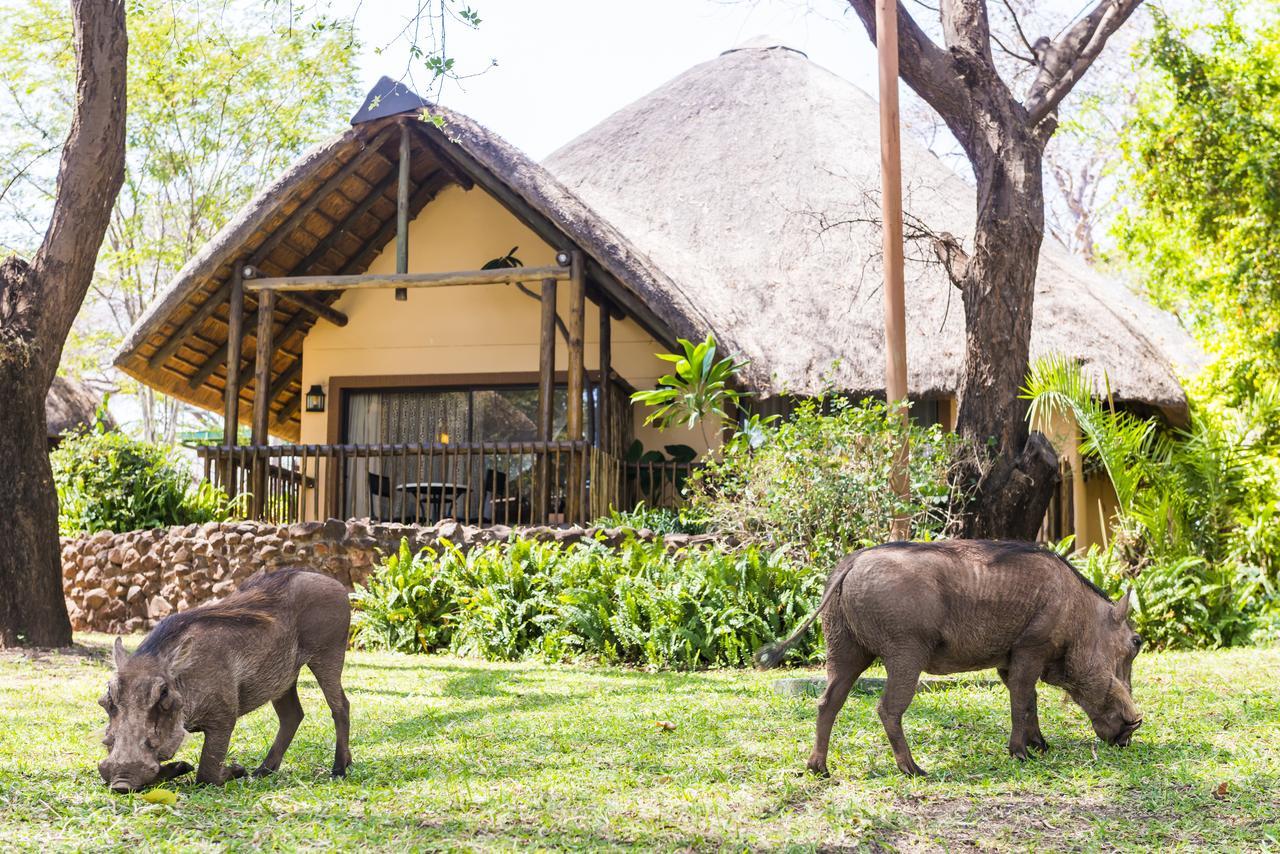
315,399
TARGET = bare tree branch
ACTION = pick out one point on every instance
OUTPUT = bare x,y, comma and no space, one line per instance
1030,60
966,29
928,69
1067,58
1017,25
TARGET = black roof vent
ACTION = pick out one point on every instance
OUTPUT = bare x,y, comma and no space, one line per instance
388,98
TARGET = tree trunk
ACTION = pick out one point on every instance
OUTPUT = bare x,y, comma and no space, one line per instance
38,304
1013,479
32,609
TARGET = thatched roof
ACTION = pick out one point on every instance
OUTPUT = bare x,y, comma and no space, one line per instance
179,346
69,405
698,208
733,178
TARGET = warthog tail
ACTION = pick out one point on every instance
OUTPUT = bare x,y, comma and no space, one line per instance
770,655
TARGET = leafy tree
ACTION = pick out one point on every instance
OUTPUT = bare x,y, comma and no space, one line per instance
39,300
1203,153
221,103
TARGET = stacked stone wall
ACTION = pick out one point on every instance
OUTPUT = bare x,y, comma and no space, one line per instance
125,582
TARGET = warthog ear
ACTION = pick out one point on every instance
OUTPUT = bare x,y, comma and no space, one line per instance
1122,607
180,655
118,655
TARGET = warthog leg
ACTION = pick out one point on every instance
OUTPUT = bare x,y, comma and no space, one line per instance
289,711
900,688
328,672
845,662
170,770
214,753
1020,678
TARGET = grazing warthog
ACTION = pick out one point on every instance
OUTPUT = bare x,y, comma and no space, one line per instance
200,670
960,605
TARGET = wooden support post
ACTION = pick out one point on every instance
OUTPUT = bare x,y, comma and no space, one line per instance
231,394
895,322
402,207
262,397
577,329
546,392
603,426
577,381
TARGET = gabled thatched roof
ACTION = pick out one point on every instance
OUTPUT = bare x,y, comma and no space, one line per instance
70,405
191,366
699,208
732,178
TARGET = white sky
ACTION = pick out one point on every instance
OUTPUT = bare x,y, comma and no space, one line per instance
563,65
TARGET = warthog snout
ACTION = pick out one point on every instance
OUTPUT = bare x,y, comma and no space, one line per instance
1126,732
124,777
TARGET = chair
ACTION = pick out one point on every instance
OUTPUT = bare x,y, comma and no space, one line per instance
497,505
383,504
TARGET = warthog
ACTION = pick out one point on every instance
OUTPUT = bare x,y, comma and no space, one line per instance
961,605
200,670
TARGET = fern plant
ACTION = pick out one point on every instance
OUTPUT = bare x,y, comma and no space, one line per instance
1184,497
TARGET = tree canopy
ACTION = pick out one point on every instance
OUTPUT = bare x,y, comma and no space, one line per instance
221,99
1203,154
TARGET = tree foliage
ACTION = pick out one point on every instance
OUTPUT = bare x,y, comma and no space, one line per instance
221,100
1203,155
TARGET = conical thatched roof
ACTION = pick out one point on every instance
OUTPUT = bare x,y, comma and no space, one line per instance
733,178
69,405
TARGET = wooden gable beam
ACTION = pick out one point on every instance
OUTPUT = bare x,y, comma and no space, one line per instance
288,286
277,236
422,196
322,248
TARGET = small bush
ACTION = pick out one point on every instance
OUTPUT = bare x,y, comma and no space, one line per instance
405,607
107,481
820,480
638,604
660,520
1184,603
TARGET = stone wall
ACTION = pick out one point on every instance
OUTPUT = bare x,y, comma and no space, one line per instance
126,582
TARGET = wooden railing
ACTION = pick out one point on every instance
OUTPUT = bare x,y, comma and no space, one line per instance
518,483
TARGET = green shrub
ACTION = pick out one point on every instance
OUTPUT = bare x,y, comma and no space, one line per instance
107,481
406,606
660,520
1195,505
819,481
637,604
1187,603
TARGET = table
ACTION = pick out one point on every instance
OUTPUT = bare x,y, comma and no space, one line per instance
437,493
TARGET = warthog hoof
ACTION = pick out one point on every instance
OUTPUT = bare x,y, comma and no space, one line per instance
262,771
911,769
818,769
1038,742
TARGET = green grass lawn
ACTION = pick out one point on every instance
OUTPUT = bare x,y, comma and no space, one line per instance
453,753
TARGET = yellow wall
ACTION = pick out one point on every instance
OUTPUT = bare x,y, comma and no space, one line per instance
463,330
1093,498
